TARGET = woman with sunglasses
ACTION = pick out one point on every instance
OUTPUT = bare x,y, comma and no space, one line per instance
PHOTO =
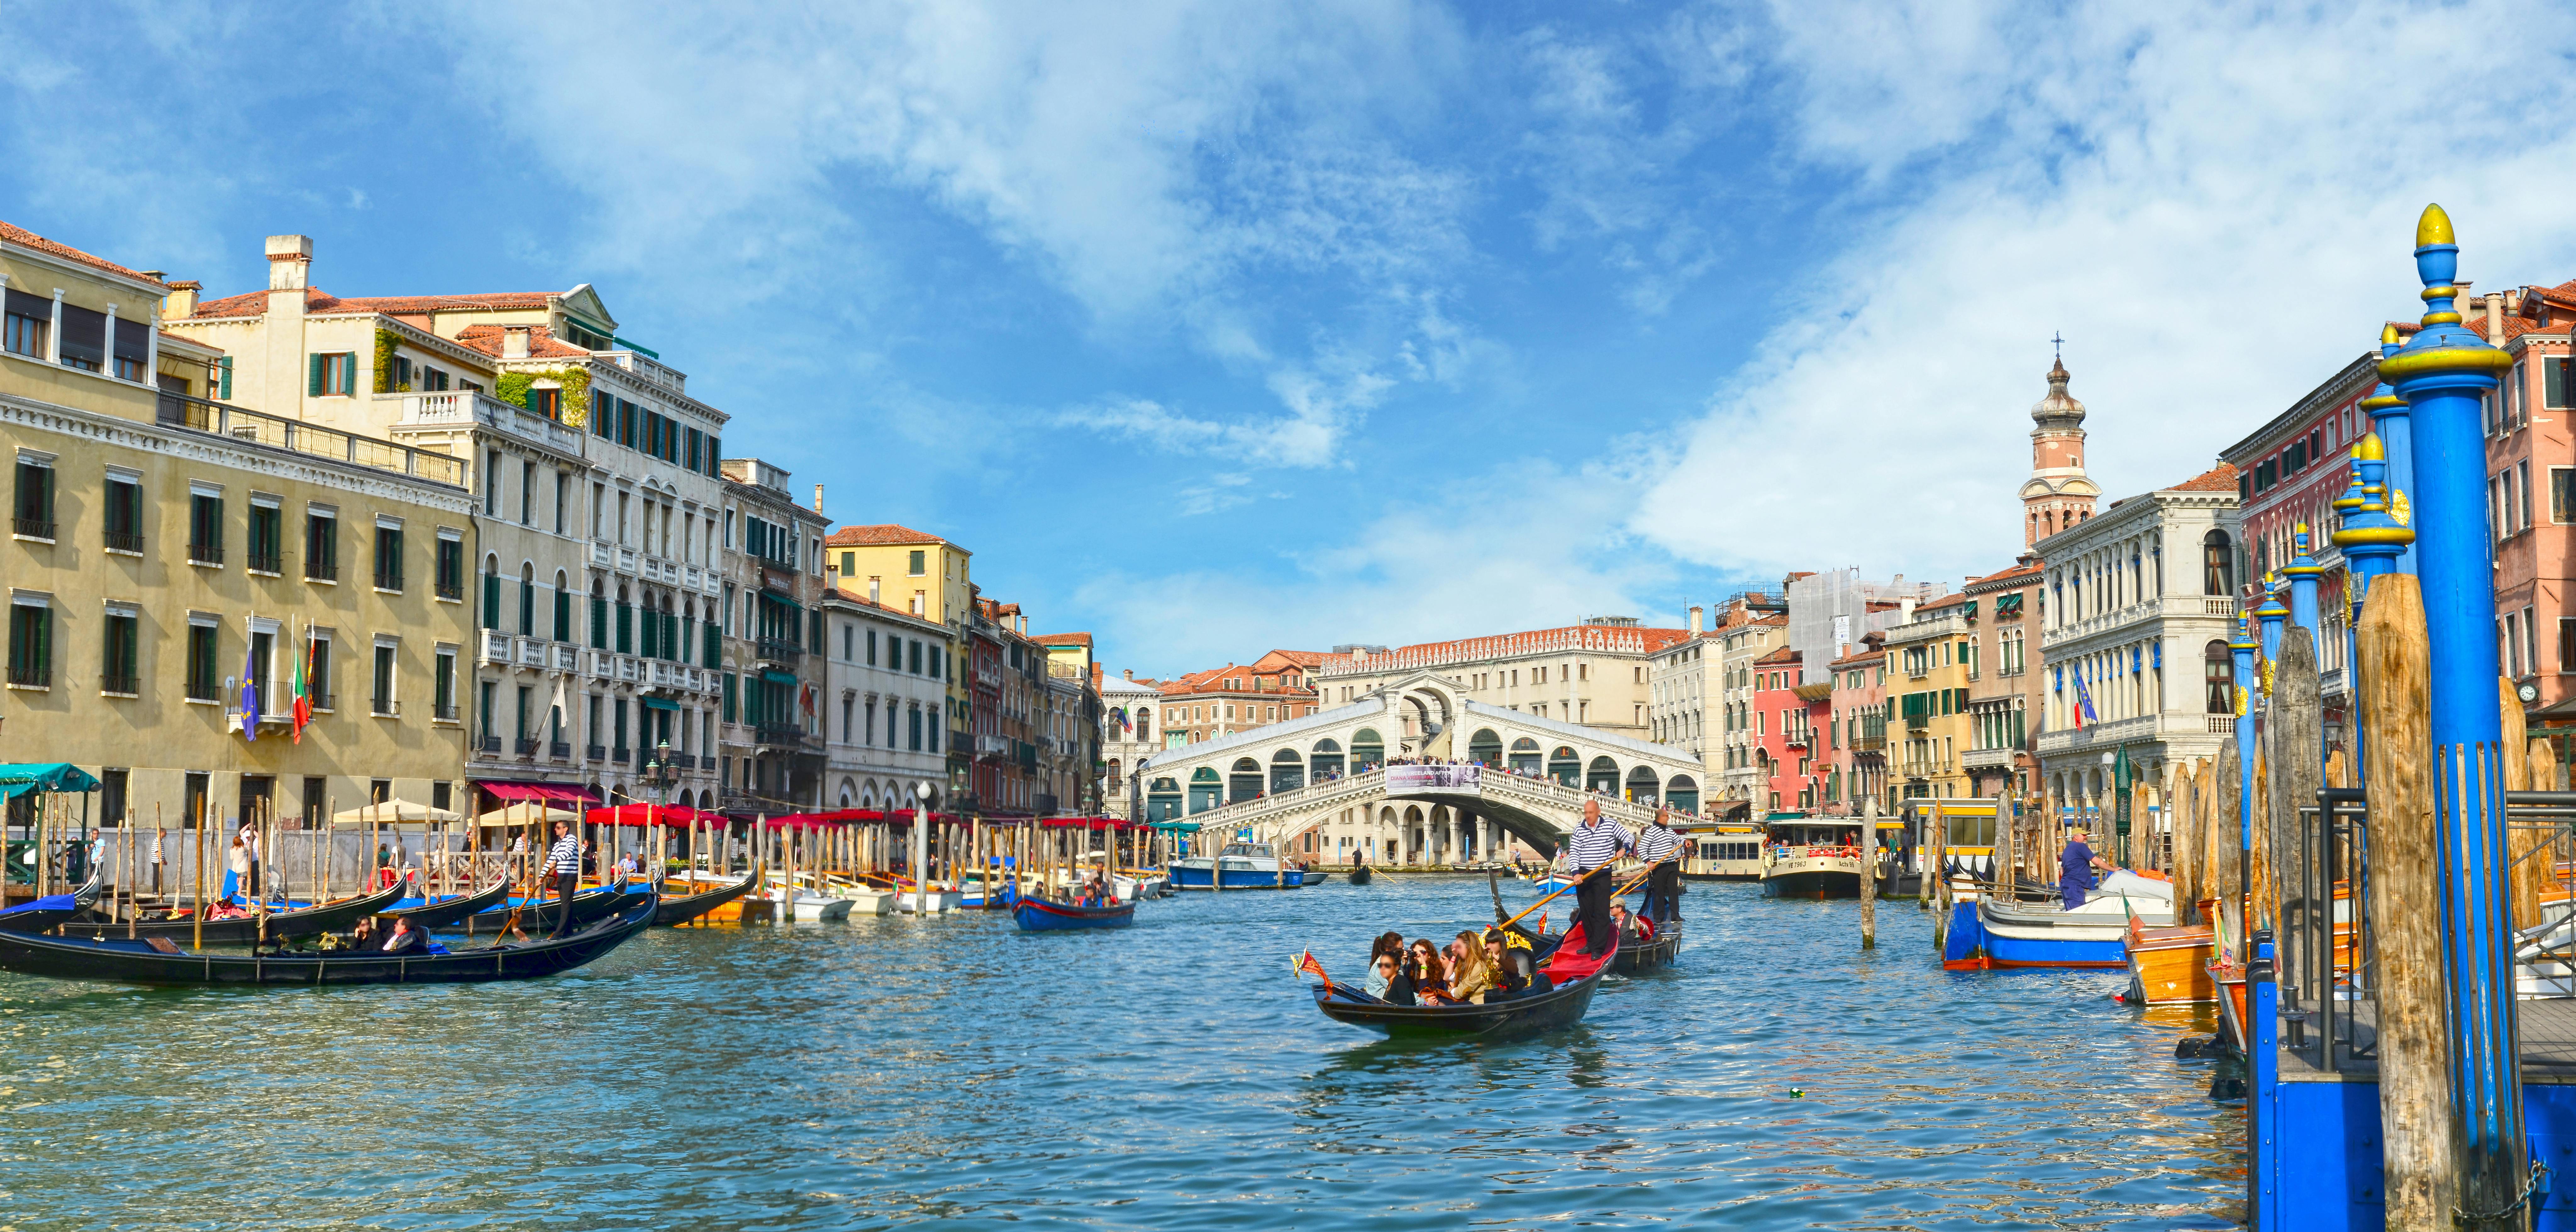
1388,980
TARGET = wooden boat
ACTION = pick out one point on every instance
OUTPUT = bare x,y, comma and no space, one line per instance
245,930
2170,966
1660,950
2091,936
38,915
688,907
158,961
1528,1014
538,914
1360,875
1038,915
449,910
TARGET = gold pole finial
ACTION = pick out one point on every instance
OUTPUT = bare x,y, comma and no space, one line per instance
2370,449
2433,228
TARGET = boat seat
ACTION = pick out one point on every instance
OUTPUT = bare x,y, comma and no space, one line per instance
163,945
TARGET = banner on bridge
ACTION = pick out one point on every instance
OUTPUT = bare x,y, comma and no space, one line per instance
1401,779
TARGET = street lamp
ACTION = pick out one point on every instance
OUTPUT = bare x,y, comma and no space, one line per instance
660,775
921,792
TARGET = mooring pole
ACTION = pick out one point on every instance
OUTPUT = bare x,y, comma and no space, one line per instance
2444,375
1869,874
2242,651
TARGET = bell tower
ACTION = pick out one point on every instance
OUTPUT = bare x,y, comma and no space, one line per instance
2057,495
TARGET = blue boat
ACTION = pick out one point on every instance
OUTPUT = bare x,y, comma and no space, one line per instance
1243,866
1038,915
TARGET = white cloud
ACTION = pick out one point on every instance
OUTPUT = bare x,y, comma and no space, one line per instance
2216,207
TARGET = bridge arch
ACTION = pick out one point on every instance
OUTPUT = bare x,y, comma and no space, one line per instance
1368,750
1485,747
1287,770
1565,766
1525,758
1243,781
1643,787
1602,776
1163,799
1207,790
1326,762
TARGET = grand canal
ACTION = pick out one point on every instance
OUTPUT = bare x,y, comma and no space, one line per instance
953,1073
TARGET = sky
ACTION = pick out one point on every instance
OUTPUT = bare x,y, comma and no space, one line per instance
1212,328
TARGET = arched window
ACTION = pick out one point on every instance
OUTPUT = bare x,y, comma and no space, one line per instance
2217,564
1287,770
563,607
1243,782
2220,670
527,599
491,592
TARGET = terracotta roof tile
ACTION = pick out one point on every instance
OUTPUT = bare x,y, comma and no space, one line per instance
541,341
1861,658
1944,601
881,535
28,239
317,300
1782,655
2032,569
1063,639
2222,478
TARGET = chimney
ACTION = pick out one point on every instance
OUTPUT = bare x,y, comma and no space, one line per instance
818,498
514,342
181,302
1130,673
290,262
1695,615
1905,610
2495,318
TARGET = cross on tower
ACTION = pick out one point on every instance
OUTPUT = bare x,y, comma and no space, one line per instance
2058,340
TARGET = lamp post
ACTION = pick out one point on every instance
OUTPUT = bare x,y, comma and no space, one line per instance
659,775
922,794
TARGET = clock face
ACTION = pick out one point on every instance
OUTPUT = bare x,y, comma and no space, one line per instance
2529,693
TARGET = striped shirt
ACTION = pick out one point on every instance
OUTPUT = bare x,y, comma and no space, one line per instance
1591,846
1656,842
564,857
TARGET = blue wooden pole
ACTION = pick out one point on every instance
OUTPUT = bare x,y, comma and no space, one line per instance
2393,420
2242,651
2444,374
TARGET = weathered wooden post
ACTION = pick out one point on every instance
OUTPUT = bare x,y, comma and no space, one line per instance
1869,875
2444,374
2414,1055
2293,783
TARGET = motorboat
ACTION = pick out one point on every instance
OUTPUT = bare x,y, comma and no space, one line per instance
1806,857
805,905
2018,933
1237,866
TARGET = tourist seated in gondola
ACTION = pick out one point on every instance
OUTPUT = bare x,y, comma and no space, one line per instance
1630,925
1430,975
362,935
405,939
1387,981
1471,977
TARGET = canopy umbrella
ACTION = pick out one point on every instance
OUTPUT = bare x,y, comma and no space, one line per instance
805,821
19,778
648,815
390,813
526,813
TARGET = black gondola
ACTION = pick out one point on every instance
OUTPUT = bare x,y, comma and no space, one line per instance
448,911
1528,1014
245,929
43,913
1360,874
588,907
116,960
683,910
1657,951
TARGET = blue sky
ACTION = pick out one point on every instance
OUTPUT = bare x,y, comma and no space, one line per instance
1213,328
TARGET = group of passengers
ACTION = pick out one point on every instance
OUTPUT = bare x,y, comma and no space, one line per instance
1472,969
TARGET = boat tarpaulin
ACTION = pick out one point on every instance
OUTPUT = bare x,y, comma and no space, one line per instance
19,778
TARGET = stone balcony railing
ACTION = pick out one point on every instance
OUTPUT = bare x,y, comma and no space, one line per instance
464,408
2169,606
2136,729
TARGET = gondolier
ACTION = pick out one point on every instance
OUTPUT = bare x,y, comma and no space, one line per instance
563,869
1594,843
1655,846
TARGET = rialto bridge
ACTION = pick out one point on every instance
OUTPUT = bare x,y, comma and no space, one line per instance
1321,783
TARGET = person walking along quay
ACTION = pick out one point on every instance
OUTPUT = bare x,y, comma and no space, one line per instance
1594,843
563,869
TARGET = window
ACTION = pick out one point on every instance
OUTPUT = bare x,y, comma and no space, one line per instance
2512,648
265,554
201,661
29,322
2562,494
491,597
119,663
332,375
563,497
389,564
527,493
2217,565
2567,643
124,514
321,546
2522,490
31,645
380,697
563,610
442,684
317,673
83,341
31,506
546,402
2530,644
205,529
919,564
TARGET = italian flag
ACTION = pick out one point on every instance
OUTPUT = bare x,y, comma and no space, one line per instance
303,689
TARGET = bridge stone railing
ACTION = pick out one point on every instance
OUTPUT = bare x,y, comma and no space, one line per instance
1285,814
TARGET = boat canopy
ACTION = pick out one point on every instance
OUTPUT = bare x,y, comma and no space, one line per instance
19,778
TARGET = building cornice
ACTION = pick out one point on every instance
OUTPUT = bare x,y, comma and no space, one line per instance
281,464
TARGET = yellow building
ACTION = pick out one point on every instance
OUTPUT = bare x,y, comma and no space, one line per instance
1931,661
168,545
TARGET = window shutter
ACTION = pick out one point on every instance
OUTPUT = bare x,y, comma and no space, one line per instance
714,650
224,378
599,623
2554,378
491,601
313,376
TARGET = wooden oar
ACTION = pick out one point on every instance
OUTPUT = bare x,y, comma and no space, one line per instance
1552,897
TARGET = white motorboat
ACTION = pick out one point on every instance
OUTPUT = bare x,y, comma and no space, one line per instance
2045,934
809,907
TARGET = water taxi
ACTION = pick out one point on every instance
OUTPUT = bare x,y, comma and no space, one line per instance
1728,851
1810,857
1238,866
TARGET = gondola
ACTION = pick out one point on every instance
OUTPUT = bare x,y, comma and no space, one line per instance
1037,915
43,913
449,910
1360,875
245,929
1529,1014
1657,951
682,910
158,961
588,906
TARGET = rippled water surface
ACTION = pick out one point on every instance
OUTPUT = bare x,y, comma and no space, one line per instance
953,1072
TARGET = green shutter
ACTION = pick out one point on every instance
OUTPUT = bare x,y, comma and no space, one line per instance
224,378
599,623
714,647
728,697
2554,382
625,628
491,601
313,375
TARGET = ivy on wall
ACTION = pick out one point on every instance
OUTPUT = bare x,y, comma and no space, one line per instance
574,408
385,340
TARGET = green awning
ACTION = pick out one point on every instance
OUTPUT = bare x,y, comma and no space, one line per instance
778,678
660,703
19,778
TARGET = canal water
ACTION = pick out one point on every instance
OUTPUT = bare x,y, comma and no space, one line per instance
955,1073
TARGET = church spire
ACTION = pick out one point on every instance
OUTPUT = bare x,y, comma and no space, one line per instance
2057,495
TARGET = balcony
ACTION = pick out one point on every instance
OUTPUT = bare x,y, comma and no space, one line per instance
265,562
532,652
495,648
601,555
205,553
566,658
452,410
119,541
594,752
324,570
1987,759
626,560
1869,744
326,701
294,436
489,744
443,714
389,581
560,750
779,733
384,708
782,651
31,675
128,685
1917,722
1925,768
32,528
450,590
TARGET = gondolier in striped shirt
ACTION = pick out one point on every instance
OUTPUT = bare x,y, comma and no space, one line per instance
1594,843
1663,885
563,871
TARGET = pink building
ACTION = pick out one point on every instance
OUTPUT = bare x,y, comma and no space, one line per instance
1856,728
1787,718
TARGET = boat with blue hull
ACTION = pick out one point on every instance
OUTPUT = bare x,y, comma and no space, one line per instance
1038,915
1994,933
1240,866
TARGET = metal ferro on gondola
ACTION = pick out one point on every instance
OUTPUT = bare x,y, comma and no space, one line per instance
2443,375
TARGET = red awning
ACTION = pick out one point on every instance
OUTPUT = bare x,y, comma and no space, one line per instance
1087,823
648,814
551,793
805,821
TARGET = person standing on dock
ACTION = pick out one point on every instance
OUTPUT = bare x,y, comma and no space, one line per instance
1593,844
563,868
1663,884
